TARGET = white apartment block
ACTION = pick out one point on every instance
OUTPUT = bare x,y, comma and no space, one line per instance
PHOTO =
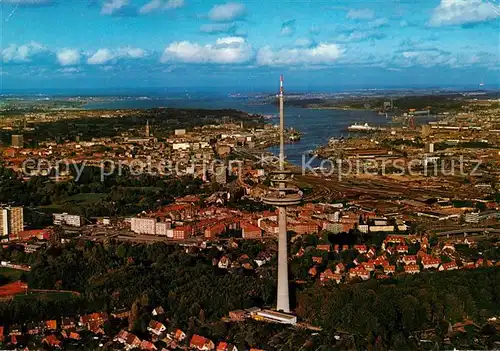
67,219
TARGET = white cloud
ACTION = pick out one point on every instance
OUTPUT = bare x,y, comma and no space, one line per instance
425,58
100,57
28,2
22,53
68,57
174,4
227,12
158,5
303,42
323,53
218,28
225,51
69,70
288,28
131,52
112,6
361,14
456,12
103,56
379,22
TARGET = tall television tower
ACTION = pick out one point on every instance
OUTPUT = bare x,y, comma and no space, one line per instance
282,195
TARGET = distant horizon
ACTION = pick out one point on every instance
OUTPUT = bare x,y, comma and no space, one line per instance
138,91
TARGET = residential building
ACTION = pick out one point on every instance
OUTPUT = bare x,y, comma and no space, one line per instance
449,266
361,248
409,259
224,346
17,141
93,321
250,231
359,272
430,262
156,327
158,311
401,249
183,232
221,175
323,248
11,222
143,225
389,269
329,275
214,231
201,343
67,219
130,340
237,315
412,269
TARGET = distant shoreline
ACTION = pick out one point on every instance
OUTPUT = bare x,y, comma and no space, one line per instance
337,108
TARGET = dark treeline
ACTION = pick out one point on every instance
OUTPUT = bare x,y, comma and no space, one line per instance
162,122
89,196
195,295
112,276
391,312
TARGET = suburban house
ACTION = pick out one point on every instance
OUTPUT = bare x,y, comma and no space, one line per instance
224,346
201,343
430,262
409,259
156,328
412,269
449,266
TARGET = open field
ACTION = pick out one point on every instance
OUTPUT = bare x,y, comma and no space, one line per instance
45,296
10,273
83,199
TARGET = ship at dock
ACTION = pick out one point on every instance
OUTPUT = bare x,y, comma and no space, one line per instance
362,128
294,135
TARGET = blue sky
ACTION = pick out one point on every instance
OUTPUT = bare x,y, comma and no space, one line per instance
317,44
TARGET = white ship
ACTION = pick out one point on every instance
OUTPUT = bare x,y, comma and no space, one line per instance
361,128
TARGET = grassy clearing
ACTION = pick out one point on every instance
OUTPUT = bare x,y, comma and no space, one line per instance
11,274
46,296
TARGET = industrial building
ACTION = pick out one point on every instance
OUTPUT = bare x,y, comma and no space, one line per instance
277,317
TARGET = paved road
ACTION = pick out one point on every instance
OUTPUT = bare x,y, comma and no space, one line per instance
478,231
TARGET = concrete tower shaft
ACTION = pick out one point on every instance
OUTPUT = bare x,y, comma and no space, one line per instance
282,196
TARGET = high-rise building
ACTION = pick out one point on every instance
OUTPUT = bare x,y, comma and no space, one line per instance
11,221
147,131
429,148
221,175
282,195
17,141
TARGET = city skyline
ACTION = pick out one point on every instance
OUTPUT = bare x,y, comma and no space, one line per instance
218,44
